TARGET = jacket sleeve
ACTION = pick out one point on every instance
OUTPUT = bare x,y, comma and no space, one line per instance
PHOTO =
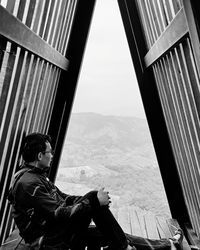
69,199
42,201
82,206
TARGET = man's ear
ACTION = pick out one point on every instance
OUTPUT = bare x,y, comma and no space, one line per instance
39,156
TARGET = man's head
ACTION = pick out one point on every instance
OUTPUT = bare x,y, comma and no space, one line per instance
37,150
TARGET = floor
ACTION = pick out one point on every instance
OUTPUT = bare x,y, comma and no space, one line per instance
144,223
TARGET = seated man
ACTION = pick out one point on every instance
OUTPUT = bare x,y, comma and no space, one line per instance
62,221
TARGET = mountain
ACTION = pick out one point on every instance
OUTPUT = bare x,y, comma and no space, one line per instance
96,129
108,140
114,152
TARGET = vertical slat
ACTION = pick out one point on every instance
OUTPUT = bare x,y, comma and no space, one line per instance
162,12
50,107
4,56
44,18
38,96
168,10
50,20
9,65
42,97
38,16
8,225
3,3
153,20
46,101
151,26
60,23
34,97
159,17
3,225
51,36
194,79
20,10
65,24
10,5
16,7
31,12
146,25
67,33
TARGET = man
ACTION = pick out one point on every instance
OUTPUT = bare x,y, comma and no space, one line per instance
61,221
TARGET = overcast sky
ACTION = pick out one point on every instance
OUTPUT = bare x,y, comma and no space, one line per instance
107,82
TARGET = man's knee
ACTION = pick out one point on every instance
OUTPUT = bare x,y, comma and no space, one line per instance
91,196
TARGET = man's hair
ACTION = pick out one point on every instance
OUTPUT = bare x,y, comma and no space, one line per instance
34,144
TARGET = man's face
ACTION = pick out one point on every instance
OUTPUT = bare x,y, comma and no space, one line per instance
46,157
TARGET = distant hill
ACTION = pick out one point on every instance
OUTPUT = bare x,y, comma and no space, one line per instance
99,139
121,132
114,152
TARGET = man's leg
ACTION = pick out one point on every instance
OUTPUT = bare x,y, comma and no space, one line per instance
107,224
95,239
117,239
146,244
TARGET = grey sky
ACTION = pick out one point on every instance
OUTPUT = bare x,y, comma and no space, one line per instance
107,82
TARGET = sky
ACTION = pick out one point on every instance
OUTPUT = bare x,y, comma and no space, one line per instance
107,83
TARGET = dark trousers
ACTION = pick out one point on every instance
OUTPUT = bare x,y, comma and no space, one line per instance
106,232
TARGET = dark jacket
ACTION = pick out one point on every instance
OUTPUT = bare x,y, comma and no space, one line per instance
38,206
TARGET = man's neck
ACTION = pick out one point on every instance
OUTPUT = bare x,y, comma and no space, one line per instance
36,166
31,164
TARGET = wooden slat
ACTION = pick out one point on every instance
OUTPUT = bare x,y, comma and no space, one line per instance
55,24
36,77
173,33
159,228
14,30
52,99
42,96
44,17
51,96
151,226
30,14
146,224
65,43
59,24
37,96
64,26
140,215
163,226
135,224
146,23
37,17
123,219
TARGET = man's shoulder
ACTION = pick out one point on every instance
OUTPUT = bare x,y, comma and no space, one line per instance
28,178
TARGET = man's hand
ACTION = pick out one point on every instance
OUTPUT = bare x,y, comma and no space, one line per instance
103,197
